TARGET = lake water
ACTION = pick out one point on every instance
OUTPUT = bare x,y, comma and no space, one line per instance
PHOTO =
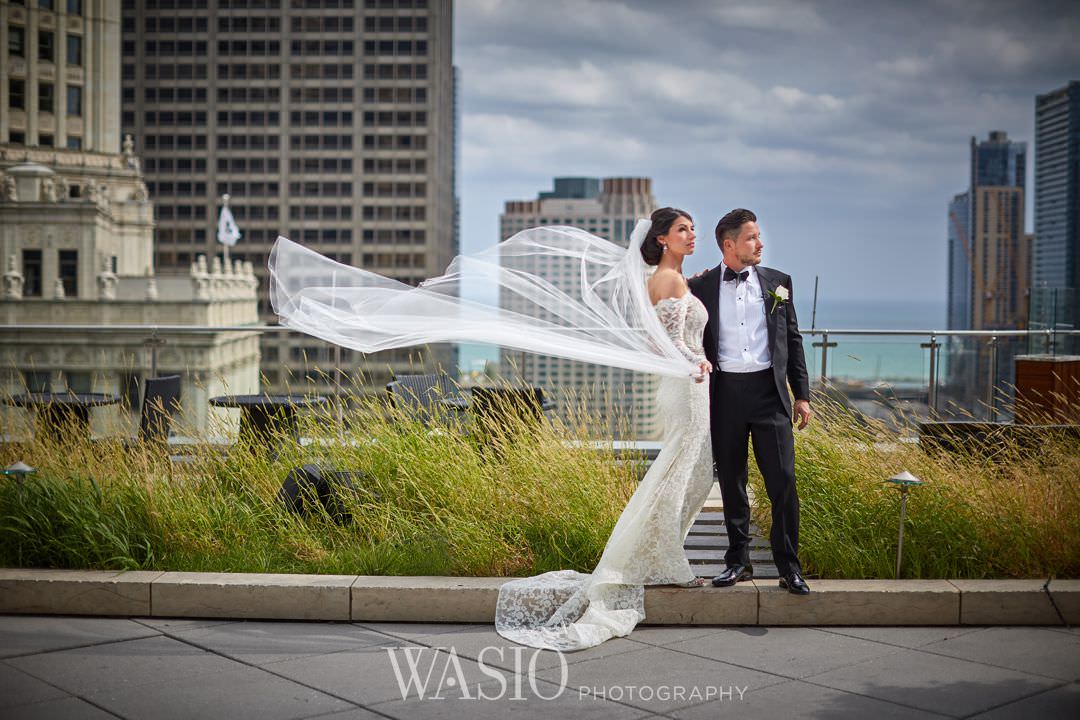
873,358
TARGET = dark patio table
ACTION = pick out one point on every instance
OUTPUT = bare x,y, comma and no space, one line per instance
64,414
263,416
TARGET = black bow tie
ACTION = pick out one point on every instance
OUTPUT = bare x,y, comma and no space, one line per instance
730,274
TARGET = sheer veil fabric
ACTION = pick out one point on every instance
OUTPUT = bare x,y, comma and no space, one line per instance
560,291
567,293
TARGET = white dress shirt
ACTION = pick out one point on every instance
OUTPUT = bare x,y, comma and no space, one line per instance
743,337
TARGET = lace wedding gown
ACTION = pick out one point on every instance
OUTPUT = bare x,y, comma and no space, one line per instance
567,610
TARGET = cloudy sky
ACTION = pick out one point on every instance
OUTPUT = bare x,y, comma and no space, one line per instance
844,125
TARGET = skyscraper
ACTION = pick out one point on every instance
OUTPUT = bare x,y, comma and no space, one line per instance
328,121
608,208
989,261
960,271
989,253
1056,272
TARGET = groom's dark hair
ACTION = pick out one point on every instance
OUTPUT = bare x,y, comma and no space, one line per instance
728,227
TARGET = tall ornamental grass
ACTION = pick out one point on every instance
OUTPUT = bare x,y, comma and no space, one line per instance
1004,509
435,498
443,497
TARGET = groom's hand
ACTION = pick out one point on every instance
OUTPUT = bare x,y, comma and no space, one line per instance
803,412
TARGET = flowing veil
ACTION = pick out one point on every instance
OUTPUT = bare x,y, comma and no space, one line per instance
560,291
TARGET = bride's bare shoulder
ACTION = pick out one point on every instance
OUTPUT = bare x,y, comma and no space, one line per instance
666,283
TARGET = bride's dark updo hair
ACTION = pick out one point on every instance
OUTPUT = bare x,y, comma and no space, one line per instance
662,220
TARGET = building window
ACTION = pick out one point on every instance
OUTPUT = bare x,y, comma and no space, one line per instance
17,94
74,142
74,100
17,41
46,45
69,272
45,140
46,97
31,270
19,138
74,50
74,7
45,4
36,381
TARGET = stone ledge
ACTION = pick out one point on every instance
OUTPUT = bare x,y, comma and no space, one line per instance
707,605
1005,602
252,596
75,592
389,598
860,602
1066,595
472,600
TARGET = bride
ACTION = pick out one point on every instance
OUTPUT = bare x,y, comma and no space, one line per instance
566,610
563,292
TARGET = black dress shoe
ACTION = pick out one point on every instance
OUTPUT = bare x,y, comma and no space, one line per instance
795,584
733,574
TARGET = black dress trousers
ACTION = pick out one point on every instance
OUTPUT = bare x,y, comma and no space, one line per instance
747,406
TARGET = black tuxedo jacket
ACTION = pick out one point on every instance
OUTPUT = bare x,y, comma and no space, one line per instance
785,341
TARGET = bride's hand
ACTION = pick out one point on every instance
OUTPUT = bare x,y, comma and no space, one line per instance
705,368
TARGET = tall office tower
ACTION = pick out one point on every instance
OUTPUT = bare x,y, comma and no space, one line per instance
609,209
959,300
1000,250
327,121
1056,272
76,229
989,265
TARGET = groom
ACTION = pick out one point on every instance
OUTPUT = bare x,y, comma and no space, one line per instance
752,340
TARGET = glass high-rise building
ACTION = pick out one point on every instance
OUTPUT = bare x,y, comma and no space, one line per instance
1056,271
959,301
328,121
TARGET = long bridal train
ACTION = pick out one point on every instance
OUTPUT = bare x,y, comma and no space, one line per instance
567,610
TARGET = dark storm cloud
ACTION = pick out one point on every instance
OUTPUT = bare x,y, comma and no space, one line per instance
845,124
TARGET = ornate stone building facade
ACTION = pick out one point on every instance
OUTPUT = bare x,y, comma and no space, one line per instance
76,234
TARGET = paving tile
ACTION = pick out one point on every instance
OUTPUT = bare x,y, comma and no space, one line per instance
1030,650
564,703
790,652
795,699
410,630
68,708
260,643
26,635
663,680
238,693
354,714
909,637
1061,702
121,665
933,682
667,634
502,653
167,625
365,675
18,688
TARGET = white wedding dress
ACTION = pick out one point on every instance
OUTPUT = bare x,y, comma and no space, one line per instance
567,610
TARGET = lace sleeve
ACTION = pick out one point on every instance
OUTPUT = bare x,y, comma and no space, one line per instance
672,314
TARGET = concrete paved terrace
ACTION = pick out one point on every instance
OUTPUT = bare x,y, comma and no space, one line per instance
88,667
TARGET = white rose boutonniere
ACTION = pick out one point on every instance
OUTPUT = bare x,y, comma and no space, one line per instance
780,295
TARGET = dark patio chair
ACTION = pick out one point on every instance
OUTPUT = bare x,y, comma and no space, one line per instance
499,411
422,395
161,398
